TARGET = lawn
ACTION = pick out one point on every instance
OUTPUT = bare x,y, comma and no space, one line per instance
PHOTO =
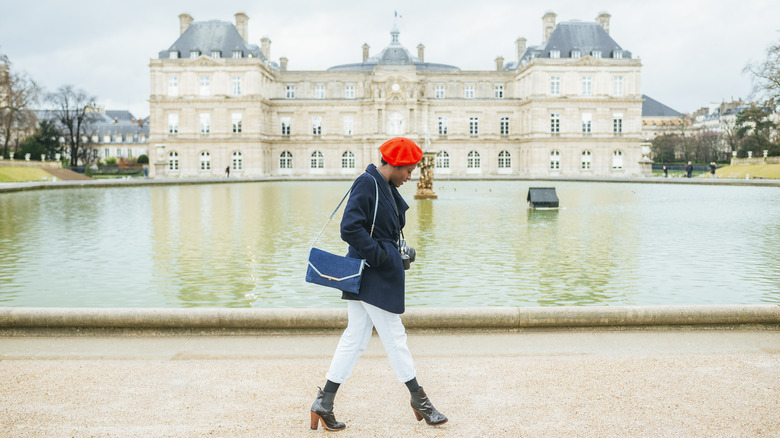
23,174
770,171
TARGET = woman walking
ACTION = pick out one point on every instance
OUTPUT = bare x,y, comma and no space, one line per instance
380,301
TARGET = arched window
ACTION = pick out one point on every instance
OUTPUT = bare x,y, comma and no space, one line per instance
285,160
587,160
504,160
238,161
443,160
317,160
555,160
617,159
173,161
473,161
347,160
205,160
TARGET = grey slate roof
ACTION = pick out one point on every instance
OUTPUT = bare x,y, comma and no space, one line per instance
207,36
654,108
568,36
393,54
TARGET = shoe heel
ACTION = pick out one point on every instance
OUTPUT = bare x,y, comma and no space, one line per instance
417,414
315,421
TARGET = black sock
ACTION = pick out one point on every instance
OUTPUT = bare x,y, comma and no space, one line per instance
413,385
331,387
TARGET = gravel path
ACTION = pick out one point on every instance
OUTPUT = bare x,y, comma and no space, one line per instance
535,384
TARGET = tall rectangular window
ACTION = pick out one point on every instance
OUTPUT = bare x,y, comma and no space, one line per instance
555,85
587,86
235,120
285,125
173,86
587,120
205,123
316,125
473,125
442,125
555,53
617,85
238,54
469,92
617,123
504,125
173,54
290,92
194,54
555,123
576,54
205,86
596,54
173,123
439,91
498,91
349,125
216,54
349,91
236,85
319,92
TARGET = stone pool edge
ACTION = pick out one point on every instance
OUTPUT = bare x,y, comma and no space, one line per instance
468,318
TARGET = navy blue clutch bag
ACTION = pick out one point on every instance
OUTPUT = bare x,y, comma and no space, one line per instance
342,273
331,270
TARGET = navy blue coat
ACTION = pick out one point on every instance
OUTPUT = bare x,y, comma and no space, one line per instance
383,279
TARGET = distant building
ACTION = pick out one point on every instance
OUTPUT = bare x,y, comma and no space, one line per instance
571,105
659,119
114,134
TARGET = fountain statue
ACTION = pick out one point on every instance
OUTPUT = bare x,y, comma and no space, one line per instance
425,185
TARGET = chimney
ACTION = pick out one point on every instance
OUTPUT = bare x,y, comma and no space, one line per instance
520,43
603,20
548,25
242,26
283,63
499,63
184,22
365,51
421,52
265,44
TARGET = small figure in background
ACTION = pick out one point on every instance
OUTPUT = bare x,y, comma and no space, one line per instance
689,170
713,166
227,172
666,171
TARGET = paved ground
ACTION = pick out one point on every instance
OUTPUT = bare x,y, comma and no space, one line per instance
539,383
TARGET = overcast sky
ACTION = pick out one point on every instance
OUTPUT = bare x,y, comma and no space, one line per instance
693,52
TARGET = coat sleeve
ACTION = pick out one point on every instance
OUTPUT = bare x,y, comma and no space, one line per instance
356,222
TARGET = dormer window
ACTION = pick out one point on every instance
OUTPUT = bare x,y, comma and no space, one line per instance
173,54
575,54
617,54
194,54
237,54
596,53
555,53
216,54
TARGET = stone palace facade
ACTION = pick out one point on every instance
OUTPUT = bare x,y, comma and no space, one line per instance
570,106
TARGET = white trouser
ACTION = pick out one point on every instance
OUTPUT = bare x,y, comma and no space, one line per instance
361,318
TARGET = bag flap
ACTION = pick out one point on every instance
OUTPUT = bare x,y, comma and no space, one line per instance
334,267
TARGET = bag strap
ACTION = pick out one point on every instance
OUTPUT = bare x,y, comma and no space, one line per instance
376,207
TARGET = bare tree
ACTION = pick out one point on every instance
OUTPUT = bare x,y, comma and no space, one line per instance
18,93
74,111
766,75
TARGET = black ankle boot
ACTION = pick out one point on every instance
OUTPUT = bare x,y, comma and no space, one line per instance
424,409
322,412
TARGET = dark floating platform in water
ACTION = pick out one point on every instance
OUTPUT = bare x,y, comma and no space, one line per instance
542,197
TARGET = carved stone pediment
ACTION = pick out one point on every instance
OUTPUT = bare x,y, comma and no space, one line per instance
586,60
205,61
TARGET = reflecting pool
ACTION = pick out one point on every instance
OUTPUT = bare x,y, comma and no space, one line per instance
245,245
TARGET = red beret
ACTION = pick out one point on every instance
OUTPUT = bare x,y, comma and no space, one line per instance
401,151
